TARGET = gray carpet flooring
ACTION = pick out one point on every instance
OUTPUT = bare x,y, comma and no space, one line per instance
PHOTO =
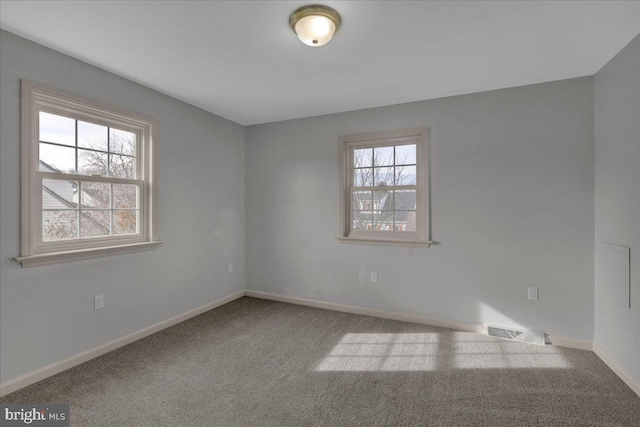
263,363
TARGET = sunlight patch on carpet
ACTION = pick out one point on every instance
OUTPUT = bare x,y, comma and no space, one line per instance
383,352
429,352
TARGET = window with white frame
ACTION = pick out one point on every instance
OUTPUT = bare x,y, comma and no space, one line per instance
385,188
88,186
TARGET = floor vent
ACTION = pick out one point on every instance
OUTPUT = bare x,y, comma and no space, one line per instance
533,337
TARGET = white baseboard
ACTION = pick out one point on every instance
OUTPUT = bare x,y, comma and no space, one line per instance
570,342
411,318
613,365
40,374
461,326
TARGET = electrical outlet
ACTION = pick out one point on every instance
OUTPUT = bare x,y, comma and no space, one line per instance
533,293
98,302
230,267
374,277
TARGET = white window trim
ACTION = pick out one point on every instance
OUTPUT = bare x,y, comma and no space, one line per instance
37,97
422,236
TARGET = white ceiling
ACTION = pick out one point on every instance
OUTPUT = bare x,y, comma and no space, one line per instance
241,60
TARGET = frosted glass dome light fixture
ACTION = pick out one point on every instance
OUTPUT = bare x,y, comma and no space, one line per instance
315,24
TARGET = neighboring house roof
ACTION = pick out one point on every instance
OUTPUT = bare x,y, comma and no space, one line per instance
405,205
51,198
58,194
404,200
48,167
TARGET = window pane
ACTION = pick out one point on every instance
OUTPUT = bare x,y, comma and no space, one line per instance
59,225
383,176
363,177
92,136
95,195
361,221
405,200
383,200
406,154
122,166
92,163
54,158
94,223
59,194
122,142
405,175
363,158
57,129
405,220
125,196
383,156
383,220
125,222
362,200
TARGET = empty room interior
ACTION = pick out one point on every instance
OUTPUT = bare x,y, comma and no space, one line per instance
342,213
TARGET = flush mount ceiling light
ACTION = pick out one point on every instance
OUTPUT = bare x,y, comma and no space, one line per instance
315,24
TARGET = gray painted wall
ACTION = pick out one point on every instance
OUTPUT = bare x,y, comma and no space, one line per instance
47,312
617,195
512,177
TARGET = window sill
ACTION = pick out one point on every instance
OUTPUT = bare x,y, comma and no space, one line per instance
77,255
386,242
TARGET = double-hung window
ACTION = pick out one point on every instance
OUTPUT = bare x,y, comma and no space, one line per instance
385,188
88,178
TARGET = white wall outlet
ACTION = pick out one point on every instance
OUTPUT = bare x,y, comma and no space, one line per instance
374,277
533,293
230,267
98,302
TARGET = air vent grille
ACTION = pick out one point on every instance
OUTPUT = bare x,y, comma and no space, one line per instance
533,337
